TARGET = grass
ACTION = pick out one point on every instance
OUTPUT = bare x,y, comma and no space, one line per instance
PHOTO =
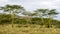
27,29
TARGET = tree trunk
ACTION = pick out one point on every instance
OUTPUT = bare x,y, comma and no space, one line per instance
49,23
12,16
12,21
42,21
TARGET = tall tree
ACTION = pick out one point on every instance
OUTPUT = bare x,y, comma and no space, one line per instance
46,12
13,10
41,13
28,15
51,14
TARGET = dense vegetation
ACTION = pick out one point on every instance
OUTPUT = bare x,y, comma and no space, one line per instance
6,19
39,16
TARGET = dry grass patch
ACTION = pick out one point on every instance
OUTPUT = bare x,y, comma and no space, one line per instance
27,29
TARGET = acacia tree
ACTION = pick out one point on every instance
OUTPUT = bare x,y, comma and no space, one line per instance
13,10
46,12
51,14
29,15
41,13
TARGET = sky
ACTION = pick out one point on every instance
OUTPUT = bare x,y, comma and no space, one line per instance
31,5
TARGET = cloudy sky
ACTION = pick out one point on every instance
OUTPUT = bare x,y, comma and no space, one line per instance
34,4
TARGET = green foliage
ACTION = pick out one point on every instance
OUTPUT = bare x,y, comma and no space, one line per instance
13,10
6,19
29,18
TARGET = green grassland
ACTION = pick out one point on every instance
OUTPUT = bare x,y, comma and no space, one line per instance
27,29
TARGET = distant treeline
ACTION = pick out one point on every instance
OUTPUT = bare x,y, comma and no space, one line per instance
6,19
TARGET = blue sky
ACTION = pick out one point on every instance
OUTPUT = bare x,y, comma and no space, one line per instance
31,5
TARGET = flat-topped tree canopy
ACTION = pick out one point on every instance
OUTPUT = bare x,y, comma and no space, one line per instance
12,8
28,13
46,12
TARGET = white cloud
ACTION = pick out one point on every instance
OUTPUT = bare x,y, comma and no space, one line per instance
34,4
2,1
